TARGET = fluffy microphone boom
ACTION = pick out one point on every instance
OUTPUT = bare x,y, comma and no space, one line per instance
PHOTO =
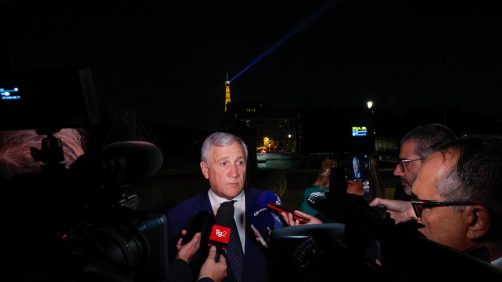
120,162
132,160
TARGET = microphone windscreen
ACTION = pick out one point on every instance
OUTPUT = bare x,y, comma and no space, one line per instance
201,222
262,220
267,197
220,233
120,162
315,198
134,159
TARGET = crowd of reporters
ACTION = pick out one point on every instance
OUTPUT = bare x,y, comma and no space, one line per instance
450,217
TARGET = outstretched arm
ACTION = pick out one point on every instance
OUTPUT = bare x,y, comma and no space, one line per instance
400,211
289,219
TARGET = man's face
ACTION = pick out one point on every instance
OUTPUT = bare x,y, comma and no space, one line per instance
225,170
355,165
407,177
441,224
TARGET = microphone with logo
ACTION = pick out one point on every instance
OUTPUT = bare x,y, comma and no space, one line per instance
201,222
220,233
262,220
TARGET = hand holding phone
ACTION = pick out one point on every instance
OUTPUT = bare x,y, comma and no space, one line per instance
280,209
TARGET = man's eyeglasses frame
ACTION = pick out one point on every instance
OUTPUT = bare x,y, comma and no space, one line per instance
403,164
420,205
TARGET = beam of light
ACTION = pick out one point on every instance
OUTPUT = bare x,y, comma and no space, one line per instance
307,21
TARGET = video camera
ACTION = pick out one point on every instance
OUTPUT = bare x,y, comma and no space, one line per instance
76,223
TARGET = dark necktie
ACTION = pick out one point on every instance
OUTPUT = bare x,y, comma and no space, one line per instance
234,251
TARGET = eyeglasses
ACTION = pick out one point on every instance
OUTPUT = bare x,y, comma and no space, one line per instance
403,164
420,205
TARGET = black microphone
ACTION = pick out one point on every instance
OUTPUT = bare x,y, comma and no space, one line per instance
345,207
323,204
262,220
120,162
200,222
220,233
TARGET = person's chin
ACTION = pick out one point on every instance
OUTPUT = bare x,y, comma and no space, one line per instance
407,190
237,187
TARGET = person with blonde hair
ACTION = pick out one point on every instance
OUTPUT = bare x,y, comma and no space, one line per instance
321,184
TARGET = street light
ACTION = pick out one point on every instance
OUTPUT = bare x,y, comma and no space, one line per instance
369,104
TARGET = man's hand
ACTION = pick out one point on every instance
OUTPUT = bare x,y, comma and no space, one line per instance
213,269
289,219
400,211
187,251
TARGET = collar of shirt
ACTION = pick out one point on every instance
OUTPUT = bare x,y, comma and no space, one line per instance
240,210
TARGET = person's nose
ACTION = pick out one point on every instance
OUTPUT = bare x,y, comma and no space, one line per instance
397,171
234,171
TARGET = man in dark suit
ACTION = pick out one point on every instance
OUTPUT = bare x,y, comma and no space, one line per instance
223,163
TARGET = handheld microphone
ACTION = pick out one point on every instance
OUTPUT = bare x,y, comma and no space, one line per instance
220,233
267,197
345,207
262,220
281,209
320,202
200,222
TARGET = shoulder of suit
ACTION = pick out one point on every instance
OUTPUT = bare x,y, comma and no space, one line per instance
253,191
197,200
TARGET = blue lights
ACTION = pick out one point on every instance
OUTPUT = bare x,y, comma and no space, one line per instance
7,94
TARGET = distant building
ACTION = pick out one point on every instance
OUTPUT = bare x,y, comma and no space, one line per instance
327,130
316,131
276,131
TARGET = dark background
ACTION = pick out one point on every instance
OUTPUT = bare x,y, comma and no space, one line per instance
168,61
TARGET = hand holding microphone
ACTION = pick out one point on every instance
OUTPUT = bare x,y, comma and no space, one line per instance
188,250
262,220
215,266
285,211
293,218
220,233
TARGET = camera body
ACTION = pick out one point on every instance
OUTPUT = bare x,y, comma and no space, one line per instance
75,223
73,230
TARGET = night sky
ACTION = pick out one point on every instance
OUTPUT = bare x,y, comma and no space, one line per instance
168,61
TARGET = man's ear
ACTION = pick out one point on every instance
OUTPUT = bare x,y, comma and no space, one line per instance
204,169
478,219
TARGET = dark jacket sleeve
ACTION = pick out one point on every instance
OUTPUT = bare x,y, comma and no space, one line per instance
205,279
180,271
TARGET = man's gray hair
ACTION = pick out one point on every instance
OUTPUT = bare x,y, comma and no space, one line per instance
477,175
220,139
